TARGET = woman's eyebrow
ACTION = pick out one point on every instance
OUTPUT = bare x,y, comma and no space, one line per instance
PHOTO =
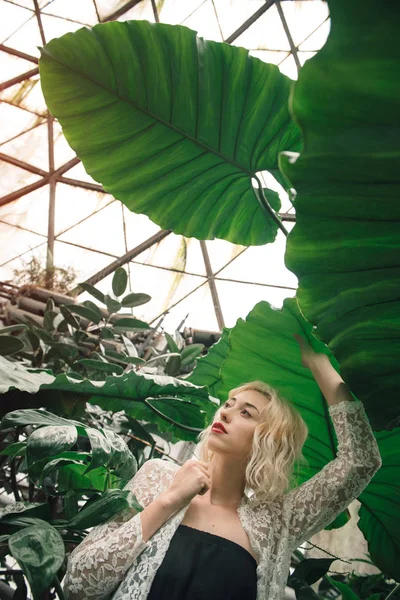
245,404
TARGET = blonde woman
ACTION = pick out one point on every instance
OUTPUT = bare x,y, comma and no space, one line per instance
200,535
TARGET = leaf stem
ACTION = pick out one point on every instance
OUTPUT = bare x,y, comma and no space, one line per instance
266,208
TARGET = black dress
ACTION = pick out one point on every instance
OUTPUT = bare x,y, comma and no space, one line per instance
203,566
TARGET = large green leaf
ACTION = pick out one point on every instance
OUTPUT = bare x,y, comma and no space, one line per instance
39,550
178,399
262,347
110,503
345,246
172,125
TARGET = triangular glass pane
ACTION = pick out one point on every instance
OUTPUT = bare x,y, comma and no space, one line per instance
138,228
16,242
79,172
317,39
141,11
238,299
303,17
11,18
103,231
12,66
82,11
13,178
27,39
222,252
197,311
233,13
266,33
55,27
30,211
176,11
175,252
30,147
84,262
26,95
73,204
204,21
165,287
262,264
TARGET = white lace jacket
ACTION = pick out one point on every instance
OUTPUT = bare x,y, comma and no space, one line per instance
114,554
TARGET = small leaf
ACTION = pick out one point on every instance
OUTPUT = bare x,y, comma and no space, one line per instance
130,323
18,327
171,343
50,306
173,365
99,365
113,306
86,313
39,550
16,449
71,506
48,319
90,289
69,317
119,281
10,345
130,348
93,307
190,353
34,340
107,334
135,299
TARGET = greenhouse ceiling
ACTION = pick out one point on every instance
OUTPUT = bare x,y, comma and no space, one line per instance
51,209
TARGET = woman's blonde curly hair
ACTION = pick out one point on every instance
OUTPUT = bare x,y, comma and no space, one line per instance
277,444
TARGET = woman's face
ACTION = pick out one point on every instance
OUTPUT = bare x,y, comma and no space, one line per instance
240,415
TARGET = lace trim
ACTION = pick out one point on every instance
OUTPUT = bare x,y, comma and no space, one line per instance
348,406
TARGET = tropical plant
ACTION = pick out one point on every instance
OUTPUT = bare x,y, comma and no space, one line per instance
227,121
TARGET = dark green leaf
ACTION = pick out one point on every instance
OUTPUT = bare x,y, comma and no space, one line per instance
50,306
122,460
111,503
190,353
166,149
173,366
130,348
86,313
39,550
130,323
93,307
71,506
17,328
16,449
69,317
99,365
172,347
10,345
48,319
107,333
101,449
93,291
49,441
135,300
119,281
113,306
31,416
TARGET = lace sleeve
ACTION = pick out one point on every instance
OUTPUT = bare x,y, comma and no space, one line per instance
318,501
97,566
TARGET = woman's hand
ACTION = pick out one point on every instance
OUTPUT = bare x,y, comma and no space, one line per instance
307,352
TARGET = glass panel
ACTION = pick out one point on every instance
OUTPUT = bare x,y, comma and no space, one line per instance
165,288
27,94
108,7
175,252
222,252
55,27
303,17
102,231
238,299
84,11
317,39
269,56
262,264
233,13
204,21
176,11
84,262
32,146
288,67
78,172
138,228
266,33
30,211
197,311
142,11
13,178
11,18
74,204
16,242
27,39
12,66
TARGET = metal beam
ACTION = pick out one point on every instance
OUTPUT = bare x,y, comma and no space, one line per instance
52,207
82,184
18,79
213,287
19,54
122,10
22,165
288,35
123,259
249,21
